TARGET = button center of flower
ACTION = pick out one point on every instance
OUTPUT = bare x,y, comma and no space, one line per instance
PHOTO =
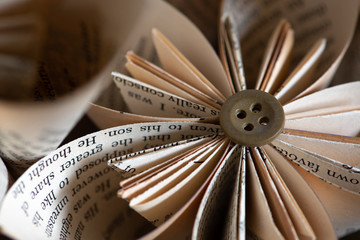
252,118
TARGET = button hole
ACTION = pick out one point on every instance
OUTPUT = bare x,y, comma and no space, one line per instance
256,108
241,114
248,127
264,121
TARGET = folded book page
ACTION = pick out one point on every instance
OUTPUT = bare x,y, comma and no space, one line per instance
335,162
311,21
72,191
69,61
152,101
305,196
187,39
219,195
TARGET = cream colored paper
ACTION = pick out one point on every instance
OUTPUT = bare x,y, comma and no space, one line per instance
129,183
311,21
73,53
302,226
144,16
185,183
74,185
154,76
72,192
341,123
345,149
174,62
326,99
310,204
151,101
276,205
339,204
216,201
260,223
300,77
115,118
233,65
327,169
179,225
151,74
276,56
144,160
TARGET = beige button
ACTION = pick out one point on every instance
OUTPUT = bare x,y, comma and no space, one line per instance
252,118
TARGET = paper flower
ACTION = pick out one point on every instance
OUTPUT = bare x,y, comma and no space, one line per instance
210,184
253,179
